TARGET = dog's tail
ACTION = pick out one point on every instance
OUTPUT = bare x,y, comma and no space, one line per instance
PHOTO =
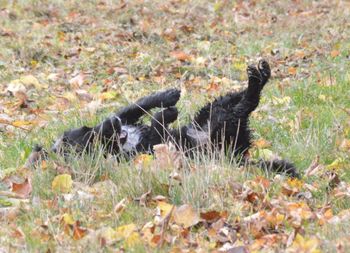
278,166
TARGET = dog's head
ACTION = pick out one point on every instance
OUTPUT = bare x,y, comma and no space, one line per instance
109,134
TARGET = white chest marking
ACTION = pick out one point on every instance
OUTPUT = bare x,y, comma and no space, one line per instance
133,138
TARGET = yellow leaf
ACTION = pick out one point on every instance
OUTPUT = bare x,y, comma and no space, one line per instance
239,65
33,63
20,123
132,240
108,234
30,80
125,231
165,208
186,216
70,96
295,183
108,95
68,219
301,244
62,183
143,160
281,101
337,164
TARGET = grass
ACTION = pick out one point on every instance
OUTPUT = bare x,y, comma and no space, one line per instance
124,53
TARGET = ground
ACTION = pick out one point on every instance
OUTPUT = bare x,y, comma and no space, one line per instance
68,63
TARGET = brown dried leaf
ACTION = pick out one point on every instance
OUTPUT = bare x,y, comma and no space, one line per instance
180,55
23,189
143,200
120,206
211,216
186,216
78,80
292,71
262,143
314,167
78,231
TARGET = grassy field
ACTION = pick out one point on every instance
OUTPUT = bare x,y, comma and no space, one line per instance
68,63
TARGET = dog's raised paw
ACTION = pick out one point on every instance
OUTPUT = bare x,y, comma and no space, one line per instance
254,75
171,97
264,69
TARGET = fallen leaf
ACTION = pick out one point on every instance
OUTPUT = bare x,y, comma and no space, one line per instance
78,231
23,189
67,219
108,95
78,80
337,164
165,208
132,240
314,167
211,216
16,87
143,161
62,183
180,55
345,145
335,53
186,216
167,156
292,187
262,143
120,206
307,245
30,80
144,198
292,71
129,234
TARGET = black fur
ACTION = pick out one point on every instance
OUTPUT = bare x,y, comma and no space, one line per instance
225,121
223,124
112,133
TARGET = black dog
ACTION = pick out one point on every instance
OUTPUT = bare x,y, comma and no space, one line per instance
223,123
121,133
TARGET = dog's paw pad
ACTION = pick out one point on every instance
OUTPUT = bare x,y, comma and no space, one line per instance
171,97
264,68
253,73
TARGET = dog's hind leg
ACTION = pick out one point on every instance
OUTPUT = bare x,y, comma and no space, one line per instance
232,99
132,113
251,97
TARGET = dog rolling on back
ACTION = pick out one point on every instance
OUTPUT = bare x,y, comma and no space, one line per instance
122,133
222,124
